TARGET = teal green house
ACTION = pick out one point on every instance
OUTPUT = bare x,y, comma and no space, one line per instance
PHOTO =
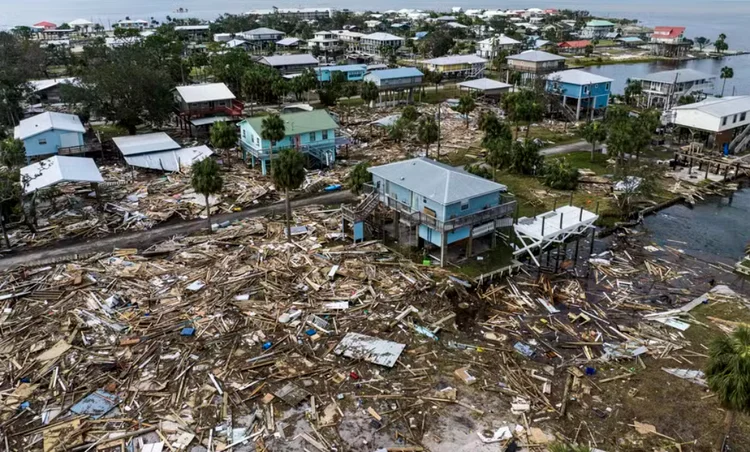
311,132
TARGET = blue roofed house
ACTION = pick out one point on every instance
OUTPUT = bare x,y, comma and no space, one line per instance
392,82
583,93
353,72
311,132
51,133
445,205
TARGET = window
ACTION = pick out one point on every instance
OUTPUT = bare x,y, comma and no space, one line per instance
312,136
243,133
735,119
724,121
325,134
465,205
42,141
742,116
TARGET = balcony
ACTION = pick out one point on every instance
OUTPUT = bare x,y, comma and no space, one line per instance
416,218
317,150
235,108
72,150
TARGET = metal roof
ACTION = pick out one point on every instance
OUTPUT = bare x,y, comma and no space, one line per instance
289,60
380,36
172,160
209,120
59,168
47,121
386,121
343,68
630,39
578,77
80,23
536,56
721,106
190,27
204,92
436,181
599,23
143,144
455,59
401,72
263,31
500,41
41,85
300,122
287,41
680,75
484,84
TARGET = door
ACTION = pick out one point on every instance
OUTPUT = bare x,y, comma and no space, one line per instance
69,140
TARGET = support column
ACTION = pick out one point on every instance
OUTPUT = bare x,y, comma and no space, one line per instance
263,166
397,225
578,110
494,233
443,246
468,245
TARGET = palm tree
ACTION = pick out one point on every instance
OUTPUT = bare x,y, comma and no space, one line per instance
273,130
288,174
428,133
207,181
465,106
726,72
728,374
369,93
359,177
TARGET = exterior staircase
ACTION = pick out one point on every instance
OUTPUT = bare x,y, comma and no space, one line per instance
361,210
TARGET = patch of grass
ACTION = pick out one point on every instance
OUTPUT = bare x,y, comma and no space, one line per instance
582,159
109,131
499,257
551,137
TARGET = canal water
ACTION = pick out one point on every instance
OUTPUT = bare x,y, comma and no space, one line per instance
714,227
739,84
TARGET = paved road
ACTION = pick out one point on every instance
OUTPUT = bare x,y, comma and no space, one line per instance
566,148
144,239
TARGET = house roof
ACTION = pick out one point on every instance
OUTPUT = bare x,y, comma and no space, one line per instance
235,43
455,25
80,23
289,60
204,92
500,40
630,39
536,56
59,168
300,122
170,160
343,68
574,44
45,24
380,36
47,121
401,72
599,23
680,75
578,77
667,32
484,84
455,59
191,27
146,143
436,181
287,41
720,106
263,31
41,85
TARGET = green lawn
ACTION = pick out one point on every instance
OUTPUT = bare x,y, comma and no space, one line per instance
583,160
552,137
109,131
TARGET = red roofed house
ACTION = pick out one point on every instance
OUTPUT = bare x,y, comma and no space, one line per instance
669,41
46,25
576,47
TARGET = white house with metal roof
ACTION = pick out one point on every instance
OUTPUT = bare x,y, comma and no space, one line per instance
262,35
376,42
490,47
664,89
533,63
290,64
48,91
51,133
719,119
463,66
445,205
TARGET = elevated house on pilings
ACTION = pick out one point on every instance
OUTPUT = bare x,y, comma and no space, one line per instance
722,124
394,83
669,42
200,106
443,205
553,229
533,64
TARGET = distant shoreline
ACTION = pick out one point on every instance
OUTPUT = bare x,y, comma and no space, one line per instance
650,59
